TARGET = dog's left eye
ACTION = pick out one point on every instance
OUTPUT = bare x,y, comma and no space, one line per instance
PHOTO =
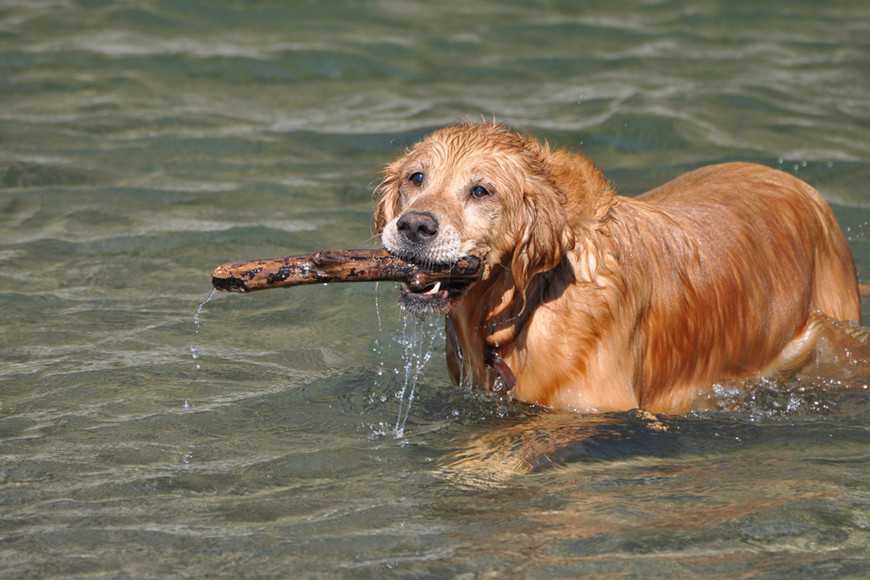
416,178
478,191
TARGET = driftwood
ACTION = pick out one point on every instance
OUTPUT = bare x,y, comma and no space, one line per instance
339,266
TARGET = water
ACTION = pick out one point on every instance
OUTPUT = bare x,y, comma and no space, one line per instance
418,341
145,142
197,322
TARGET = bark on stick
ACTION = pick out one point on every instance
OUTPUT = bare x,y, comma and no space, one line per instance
338,266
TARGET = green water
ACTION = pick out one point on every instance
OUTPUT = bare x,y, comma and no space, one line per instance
144,142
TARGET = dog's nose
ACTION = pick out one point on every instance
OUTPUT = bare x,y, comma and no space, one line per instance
418,227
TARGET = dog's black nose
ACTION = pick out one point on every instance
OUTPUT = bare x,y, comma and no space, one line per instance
418,227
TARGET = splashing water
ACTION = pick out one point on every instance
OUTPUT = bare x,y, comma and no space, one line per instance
194,349
417,341
451,331
377,347
378,306
198,313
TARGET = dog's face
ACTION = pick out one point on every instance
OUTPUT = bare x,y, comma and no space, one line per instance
478,190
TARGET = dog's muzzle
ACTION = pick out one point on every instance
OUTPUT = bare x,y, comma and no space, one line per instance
419,237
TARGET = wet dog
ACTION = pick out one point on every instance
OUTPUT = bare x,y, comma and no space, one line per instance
592,301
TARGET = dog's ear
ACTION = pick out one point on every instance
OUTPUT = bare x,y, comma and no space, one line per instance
588,195
565,196
387,196
545,235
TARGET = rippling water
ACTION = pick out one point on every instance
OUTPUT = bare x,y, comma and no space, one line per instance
143,142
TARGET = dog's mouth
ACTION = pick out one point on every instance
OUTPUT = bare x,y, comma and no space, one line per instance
423,296
436,298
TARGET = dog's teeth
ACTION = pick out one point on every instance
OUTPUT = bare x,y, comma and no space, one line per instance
435,288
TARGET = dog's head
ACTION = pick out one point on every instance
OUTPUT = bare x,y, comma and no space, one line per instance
481,190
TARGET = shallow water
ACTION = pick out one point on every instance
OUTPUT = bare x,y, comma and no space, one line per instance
144,142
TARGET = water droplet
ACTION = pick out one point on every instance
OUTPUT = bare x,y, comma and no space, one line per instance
198,312
417,341
197,323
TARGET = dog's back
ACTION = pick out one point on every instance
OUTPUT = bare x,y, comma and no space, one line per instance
775,206
741,258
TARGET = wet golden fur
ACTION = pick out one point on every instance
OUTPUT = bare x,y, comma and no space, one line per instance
599,302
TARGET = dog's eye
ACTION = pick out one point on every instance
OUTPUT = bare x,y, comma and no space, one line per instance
478,191
416,178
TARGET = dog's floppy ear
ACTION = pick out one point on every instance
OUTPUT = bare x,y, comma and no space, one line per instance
565,195
387,196
544,233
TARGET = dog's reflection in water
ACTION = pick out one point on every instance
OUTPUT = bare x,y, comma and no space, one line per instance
546,440
550,439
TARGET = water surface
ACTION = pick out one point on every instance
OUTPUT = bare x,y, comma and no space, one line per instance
143,142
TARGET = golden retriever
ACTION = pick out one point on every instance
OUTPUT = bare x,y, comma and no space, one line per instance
595,302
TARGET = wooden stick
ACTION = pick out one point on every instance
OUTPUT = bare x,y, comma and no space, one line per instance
338,266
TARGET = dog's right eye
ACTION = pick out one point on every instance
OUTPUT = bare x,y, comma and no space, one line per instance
479,192
416,178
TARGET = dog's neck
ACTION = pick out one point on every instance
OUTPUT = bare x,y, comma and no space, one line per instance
488,323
